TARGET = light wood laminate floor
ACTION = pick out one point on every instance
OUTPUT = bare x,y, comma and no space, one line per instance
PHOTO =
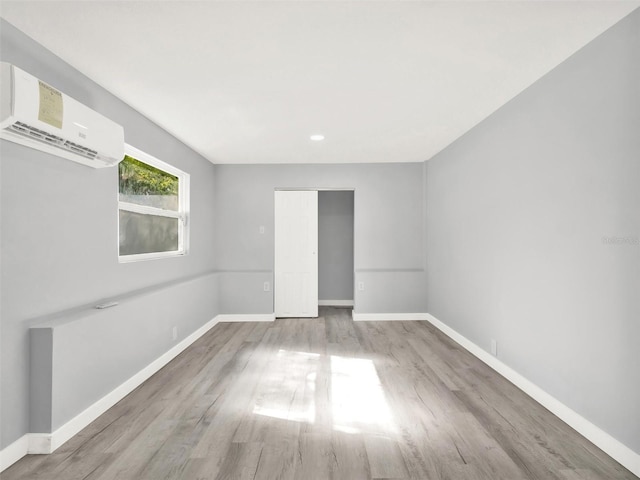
324,398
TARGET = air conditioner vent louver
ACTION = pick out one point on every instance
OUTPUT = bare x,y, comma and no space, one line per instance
42,136
37,115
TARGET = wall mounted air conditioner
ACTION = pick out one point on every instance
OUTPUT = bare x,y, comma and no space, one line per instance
37,115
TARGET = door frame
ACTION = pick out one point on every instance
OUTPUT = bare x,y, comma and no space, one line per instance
316,189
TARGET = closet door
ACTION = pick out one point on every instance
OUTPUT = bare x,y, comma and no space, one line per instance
296,254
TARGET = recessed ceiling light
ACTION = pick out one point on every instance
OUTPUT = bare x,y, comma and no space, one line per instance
317,138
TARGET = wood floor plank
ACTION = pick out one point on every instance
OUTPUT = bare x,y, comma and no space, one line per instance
241,461
385,457
351,459
277,461
580,474
315,456
325,398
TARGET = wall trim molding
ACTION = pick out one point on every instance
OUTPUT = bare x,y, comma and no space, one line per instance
386,317
247,317
612,447
335,303
44,443
14,452
48,442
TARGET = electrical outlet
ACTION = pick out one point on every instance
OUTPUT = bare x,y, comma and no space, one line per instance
174,333
266,286
494,347
361,286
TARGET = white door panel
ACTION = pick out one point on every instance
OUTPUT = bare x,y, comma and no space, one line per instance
296,253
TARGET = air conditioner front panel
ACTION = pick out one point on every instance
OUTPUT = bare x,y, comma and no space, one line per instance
72,131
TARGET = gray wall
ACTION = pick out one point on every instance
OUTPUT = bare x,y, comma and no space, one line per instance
388,240
59,230
335,245
84,352
517,210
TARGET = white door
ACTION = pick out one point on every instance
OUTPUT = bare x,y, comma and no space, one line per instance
296,255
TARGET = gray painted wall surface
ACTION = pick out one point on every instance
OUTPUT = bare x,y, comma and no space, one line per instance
387,229
335,245
243,292
59,230
85,352
41,376
517,210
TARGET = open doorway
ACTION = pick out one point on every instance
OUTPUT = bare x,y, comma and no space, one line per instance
335,248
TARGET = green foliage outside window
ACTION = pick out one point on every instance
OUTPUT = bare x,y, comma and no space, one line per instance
138,178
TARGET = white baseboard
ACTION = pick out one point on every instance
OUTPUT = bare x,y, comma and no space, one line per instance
614,448
378,317
14,452
40,443
335,303
248,317
43,443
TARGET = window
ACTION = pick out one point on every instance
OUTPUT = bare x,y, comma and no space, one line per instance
153,206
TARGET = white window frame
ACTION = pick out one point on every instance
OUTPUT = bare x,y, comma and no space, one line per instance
182,214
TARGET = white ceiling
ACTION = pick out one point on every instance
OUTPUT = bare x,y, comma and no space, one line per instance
249,82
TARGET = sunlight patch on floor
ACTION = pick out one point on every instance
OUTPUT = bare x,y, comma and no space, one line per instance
354,393
357,396
289,382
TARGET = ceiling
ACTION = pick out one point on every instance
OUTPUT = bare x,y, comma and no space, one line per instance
249,82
